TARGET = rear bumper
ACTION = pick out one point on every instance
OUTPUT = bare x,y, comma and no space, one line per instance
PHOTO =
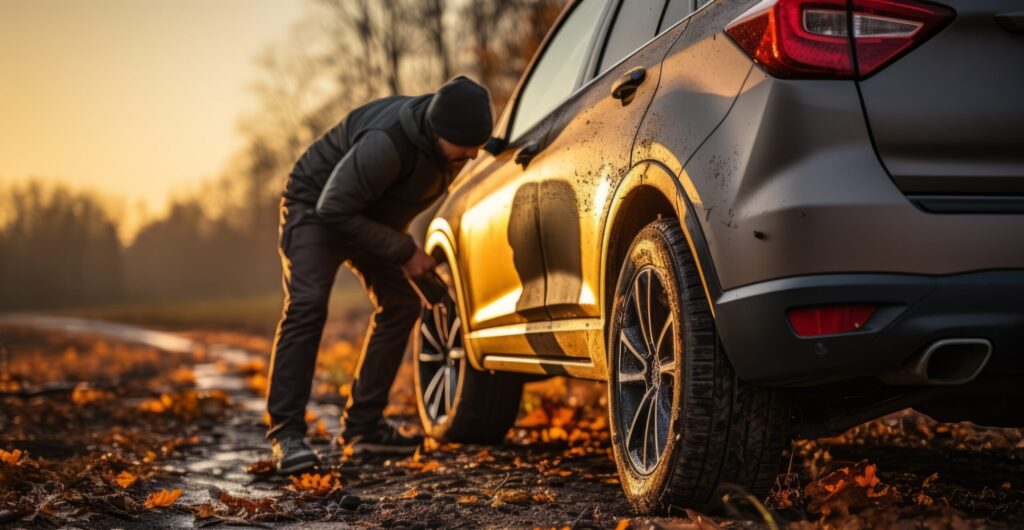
916,311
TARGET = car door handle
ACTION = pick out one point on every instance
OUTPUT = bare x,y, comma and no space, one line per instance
1012,22
526,154
624,88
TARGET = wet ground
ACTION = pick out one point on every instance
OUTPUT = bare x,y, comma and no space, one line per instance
205,436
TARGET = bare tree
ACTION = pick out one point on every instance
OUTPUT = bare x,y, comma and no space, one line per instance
483,18
432,13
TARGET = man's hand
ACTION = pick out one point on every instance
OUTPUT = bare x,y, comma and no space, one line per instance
419,264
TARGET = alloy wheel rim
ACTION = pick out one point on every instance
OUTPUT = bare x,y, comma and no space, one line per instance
646,371
439,358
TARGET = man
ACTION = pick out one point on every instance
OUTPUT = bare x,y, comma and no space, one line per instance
349,199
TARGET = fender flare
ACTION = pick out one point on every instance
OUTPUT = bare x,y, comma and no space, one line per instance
439,238
655,175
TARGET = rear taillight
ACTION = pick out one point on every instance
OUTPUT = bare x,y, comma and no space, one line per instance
812,38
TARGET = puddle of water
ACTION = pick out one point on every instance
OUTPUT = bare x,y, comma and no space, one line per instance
231,354
209,377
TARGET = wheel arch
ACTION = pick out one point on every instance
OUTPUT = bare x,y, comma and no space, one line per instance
648,191
439,244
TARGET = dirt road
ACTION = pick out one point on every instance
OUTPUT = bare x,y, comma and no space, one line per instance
553,470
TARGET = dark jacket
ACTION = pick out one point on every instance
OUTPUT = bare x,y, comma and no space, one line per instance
354,175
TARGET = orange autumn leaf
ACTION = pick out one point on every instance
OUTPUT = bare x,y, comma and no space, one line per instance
868,479
468,499
535,418
13,458
433,465
183,376
557,433
253,366
316,484
257,383
542,497
84,395
562,416
161,499
125,479
430,445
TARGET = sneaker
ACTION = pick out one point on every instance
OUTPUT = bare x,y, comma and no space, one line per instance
384,438
292,454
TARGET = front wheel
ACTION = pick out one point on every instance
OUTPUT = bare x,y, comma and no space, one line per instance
682,424
456,402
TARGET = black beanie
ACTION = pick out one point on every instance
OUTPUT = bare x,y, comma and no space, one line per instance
460,112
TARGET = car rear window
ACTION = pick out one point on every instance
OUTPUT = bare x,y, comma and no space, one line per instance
636,22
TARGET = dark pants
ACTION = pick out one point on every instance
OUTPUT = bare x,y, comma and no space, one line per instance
311,253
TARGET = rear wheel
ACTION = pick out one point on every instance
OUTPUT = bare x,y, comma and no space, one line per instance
457,402
682,424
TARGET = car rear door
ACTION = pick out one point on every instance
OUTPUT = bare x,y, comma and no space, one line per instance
590,146
948,117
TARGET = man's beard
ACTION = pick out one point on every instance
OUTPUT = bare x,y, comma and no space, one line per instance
452,167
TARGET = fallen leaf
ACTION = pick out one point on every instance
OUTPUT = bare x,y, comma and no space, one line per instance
203,511
556,434
183,376
261,467
125,479
433,465
541,497
510,496
316,484
244,507
468,499
84,395
13,458
535,418
161,499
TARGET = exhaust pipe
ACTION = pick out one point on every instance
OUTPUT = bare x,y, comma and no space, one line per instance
945,362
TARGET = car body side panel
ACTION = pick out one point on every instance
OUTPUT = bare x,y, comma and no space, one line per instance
701,77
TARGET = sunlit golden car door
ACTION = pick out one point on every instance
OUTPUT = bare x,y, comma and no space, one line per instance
499,254
499,251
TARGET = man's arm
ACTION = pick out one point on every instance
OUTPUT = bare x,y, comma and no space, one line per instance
357,181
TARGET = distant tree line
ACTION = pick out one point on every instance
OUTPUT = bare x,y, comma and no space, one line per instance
60,247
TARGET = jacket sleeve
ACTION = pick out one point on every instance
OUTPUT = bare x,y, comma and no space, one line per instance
359,179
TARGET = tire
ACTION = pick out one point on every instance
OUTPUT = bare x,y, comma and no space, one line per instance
456,402
708,428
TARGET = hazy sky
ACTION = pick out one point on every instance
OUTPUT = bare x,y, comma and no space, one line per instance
136,98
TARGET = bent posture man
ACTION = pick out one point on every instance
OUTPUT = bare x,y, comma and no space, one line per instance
349,199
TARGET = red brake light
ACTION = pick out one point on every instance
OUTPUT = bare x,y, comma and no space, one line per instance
811,38
827,320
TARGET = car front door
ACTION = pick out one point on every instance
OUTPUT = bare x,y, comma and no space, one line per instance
499,249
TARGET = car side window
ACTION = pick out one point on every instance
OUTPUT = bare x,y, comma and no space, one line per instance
676,11
636,22
554,76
